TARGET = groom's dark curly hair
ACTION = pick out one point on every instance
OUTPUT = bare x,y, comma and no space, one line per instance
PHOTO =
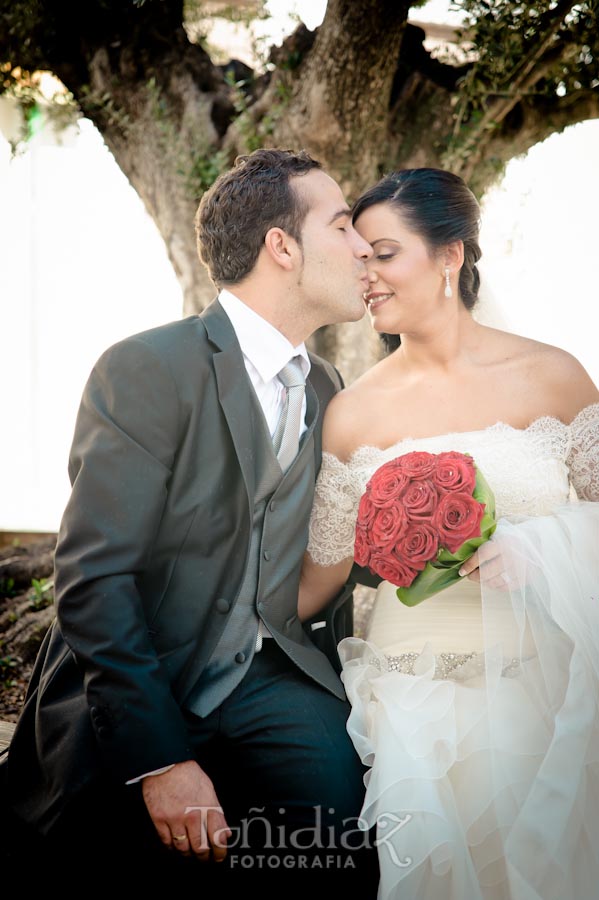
237,211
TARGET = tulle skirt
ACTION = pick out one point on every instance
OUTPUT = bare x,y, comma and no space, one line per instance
483,781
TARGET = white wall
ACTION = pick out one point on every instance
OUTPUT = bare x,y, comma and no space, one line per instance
81,266
539,240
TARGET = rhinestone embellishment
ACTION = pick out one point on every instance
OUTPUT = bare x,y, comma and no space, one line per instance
447,665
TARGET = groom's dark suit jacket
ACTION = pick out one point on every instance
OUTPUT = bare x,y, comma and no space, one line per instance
151,553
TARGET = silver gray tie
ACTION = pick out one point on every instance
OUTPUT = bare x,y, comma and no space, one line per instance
286,437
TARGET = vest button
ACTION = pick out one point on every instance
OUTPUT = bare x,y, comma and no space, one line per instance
266,555
240,657
273,505
222,605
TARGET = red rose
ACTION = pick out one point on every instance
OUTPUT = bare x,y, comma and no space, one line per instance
419,544
455,472
420,499
457,519
362,546
386,484
393,569
417,464
366,510
414,505
388,526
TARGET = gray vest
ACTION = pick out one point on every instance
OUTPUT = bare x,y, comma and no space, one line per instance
235,649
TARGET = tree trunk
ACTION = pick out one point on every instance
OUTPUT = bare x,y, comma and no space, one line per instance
339,106
363,94
159,132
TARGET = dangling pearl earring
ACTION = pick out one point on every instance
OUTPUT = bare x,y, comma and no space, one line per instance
448,291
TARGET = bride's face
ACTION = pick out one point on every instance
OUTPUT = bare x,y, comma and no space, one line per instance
406,280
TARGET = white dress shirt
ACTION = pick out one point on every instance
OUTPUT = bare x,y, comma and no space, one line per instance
265,351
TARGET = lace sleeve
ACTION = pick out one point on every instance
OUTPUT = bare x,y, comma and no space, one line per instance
333,521
583,458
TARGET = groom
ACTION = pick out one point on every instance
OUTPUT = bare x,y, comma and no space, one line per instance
179,714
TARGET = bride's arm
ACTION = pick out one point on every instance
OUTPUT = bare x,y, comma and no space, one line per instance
583,459
320,584
581,411
329,558
330,554
580,408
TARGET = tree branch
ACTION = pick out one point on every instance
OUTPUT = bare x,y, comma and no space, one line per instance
523,77
414,57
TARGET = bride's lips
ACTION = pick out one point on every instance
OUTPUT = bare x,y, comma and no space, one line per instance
374,299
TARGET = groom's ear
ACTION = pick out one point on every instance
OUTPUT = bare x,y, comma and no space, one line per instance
281,248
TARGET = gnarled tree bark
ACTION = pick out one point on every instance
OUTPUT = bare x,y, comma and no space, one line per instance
362,93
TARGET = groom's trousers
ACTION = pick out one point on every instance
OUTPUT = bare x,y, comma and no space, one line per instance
290,784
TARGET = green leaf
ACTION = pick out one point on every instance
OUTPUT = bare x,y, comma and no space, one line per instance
443,572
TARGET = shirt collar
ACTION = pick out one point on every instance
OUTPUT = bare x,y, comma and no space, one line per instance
266,348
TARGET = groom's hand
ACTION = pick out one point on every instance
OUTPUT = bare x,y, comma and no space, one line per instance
184,808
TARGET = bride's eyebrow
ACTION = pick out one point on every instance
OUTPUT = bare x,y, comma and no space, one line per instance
384,241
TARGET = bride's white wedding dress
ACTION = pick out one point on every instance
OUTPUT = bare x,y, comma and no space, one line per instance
477,712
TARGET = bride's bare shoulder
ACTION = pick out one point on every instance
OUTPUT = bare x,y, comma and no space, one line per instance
349,414
563,384
516,348
569,382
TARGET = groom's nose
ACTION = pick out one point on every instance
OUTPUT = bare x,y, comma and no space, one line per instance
362,248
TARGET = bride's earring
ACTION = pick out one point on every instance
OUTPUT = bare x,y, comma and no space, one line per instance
448,291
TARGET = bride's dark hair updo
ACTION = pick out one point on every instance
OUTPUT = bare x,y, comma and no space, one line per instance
441,208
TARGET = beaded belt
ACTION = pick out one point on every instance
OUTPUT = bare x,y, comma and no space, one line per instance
447,664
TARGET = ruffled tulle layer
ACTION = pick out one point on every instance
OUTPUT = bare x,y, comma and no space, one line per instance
485,784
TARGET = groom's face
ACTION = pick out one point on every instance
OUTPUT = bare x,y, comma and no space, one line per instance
332,277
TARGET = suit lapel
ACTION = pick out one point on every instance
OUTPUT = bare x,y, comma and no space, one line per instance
235,393
234,390
312,412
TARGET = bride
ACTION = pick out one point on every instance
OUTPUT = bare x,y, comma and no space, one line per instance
477,711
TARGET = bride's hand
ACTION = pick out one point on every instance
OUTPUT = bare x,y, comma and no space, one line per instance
488,560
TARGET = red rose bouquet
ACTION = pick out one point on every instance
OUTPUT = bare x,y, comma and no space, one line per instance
421,516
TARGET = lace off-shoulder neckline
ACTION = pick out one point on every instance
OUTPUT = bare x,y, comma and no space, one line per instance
586,413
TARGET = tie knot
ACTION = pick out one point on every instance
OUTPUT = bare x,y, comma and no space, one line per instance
292,375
